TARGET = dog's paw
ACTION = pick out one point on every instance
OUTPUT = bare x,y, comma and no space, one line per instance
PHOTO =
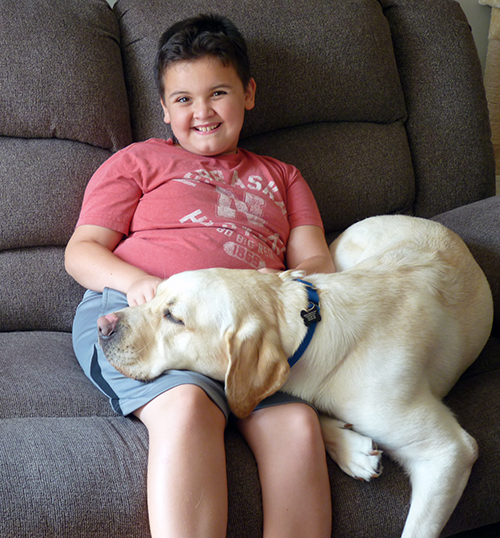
354,453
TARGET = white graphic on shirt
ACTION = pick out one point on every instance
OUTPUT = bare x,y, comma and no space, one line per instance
257,183
250,247
244,254
276,243
206,176
253,206
187,182
193,217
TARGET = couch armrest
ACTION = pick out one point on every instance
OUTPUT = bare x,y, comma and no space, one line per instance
478,224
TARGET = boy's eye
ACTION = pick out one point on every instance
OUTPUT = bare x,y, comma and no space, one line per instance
182,99
218,93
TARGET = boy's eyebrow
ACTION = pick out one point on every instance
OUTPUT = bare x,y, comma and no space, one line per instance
178,92
221,86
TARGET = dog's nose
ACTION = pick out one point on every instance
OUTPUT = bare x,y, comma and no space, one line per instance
107,325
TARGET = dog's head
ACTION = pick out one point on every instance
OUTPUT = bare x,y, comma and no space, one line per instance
219,322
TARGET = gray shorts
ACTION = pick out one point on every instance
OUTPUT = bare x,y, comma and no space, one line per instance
126,394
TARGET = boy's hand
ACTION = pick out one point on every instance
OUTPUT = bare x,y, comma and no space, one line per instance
142,290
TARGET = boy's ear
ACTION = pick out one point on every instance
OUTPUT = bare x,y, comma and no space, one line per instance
250,94
166,115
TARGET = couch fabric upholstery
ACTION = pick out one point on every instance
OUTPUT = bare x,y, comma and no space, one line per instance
380,103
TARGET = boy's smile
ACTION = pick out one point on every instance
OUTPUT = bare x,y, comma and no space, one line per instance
205,103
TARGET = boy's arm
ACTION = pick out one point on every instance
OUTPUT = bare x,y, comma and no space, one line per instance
307,250
89,259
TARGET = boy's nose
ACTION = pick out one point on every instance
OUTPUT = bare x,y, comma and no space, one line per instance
203,109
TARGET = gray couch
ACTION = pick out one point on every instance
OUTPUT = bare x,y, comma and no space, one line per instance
380,103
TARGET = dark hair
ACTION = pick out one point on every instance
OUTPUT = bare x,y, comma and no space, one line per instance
198,37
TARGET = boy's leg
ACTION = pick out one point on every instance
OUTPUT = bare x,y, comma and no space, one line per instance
287,443
187,485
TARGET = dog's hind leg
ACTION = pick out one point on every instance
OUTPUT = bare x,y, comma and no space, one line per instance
439,465
354,453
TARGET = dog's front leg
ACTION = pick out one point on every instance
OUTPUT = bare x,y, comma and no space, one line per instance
354,453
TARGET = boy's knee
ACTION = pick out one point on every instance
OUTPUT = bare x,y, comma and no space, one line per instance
295,425
184,404
194,403
305,425
306,445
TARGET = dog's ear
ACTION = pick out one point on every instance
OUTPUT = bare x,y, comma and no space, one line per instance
257,366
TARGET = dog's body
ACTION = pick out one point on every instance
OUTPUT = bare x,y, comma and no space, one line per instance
407,313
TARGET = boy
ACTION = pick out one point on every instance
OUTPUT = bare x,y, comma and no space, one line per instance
159,207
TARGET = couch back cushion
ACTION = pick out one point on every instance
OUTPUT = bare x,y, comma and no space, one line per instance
56,56
63,111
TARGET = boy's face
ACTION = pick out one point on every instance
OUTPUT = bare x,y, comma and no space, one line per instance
205,103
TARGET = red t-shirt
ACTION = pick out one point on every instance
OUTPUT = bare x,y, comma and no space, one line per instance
180,211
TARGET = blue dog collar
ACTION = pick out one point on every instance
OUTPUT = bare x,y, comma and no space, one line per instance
311,317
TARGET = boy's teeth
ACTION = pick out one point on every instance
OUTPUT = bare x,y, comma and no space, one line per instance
206,129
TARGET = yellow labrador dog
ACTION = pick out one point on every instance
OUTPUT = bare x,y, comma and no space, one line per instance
408,311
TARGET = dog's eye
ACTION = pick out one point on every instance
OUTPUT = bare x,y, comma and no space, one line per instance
168,315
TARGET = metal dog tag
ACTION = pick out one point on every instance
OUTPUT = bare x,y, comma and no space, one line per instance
311,315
